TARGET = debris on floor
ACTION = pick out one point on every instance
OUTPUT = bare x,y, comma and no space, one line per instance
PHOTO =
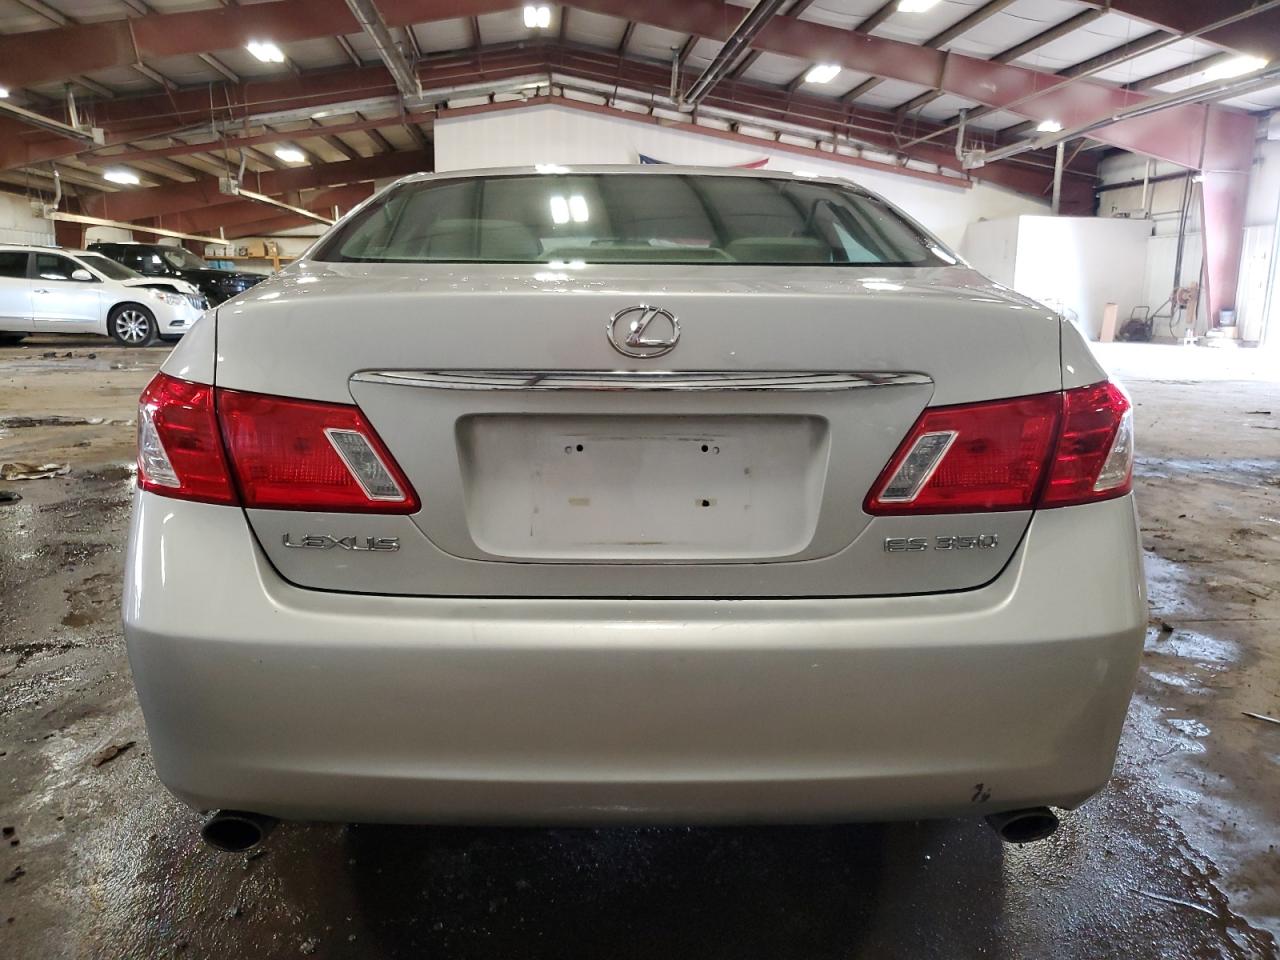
107,754
33,471
1176,902
19,423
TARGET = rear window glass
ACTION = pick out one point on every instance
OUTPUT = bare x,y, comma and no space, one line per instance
631,218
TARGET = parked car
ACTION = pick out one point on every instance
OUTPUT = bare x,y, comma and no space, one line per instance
163,260
643,495
51,290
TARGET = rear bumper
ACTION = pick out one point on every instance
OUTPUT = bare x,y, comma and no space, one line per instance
262,696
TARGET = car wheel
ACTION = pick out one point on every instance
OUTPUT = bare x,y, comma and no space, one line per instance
132,325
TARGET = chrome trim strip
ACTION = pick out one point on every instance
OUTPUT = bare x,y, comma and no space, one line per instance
652,380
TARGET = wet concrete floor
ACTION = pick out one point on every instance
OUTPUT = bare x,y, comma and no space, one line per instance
1176,858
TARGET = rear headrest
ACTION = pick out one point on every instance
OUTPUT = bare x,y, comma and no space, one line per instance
480,240
778,250
638,253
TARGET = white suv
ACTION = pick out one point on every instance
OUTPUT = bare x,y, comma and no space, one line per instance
50,290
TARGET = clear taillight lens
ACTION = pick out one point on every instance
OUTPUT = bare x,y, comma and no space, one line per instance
1047,450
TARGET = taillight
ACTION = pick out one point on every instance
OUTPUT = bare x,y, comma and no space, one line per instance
300,455
179,450
1094,457
224,446
1047,450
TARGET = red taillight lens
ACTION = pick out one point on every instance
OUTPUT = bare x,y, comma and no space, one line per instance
283,454
1047,450
971,459
300,455
1094,457
179,450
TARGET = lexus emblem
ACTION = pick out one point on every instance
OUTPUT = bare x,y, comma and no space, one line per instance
644,331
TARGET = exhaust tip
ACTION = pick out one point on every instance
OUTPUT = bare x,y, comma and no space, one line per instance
235,831
1024,826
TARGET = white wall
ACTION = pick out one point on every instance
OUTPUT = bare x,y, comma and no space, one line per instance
1074,264
1083,263
107,235
992,247
19,225
554,134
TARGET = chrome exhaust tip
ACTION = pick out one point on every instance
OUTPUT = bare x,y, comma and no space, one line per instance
1024,826
236,831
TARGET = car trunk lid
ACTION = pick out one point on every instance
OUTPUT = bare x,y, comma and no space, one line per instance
549,463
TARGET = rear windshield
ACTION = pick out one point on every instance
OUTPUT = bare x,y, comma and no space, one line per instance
630,218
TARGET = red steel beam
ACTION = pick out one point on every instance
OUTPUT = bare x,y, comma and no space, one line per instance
265,228
1259,35
998,85
229,215
1223,197
235,143
64,51
44,56
132,205
136,118
177,108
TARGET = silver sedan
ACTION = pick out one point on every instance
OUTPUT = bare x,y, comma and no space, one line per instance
642,495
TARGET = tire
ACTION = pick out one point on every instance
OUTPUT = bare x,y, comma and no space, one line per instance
6,339
132,325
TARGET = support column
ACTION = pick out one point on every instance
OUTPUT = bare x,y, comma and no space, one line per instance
1230,141
68,234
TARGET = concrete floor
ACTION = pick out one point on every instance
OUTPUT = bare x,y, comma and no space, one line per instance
1176,858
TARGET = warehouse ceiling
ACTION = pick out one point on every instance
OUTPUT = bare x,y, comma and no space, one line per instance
349,89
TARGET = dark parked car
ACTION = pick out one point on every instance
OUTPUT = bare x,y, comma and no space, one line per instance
161,260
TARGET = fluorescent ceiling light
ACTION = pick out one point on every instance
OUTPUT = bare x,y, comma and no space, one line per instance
537,18
1049,126
121,176
916,6
822,73
291,155
559,209
578,208
1235,67
265,51
4,93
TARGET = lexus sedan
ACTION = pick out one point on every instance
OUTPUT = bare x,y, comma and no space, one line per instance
653,494
51,290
